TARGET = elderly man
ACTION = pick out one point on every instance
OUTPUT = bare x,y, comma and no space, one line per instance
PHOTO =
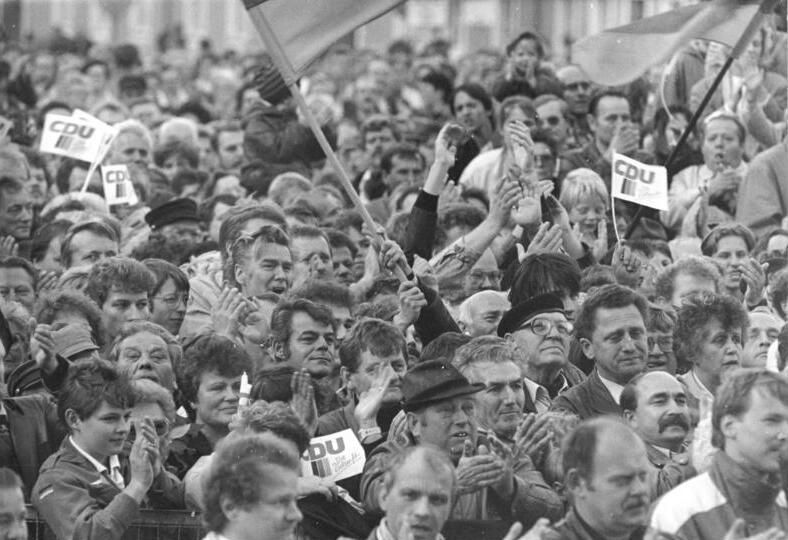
441,412
491,361
655,407
12,506
540,332
763,330
741,496
607,479
611,330
177,220
480,314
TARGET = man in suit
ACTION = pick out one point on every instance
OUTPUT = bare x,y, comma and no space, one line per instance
540,332
611,329
655,407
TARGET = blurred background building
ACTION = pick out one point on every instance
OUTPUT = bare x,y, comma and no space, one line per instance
468,24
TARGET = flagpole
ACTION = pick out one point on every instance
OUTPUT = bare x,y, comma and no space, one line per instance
741,44
288,74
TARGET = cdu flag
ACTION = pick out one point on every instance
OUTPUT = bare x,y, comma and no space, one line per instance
636,182
304,29
619,55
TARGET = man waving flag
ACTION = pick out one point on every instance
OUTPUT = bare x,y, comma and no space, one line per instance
620,55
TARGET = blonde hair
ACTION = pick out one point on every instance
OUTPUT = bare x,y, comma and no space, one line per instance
581,184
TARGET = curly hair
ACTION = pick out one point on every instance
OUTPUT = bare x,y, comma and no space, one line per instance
121,274
49,306
276,417
374,335
91,383
210,353
694,315
147,391
174,349
239,473
282,317
460,215
699,267
607,297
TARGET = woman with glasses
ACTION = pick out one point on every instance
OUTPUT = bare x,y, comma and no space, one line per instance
170,295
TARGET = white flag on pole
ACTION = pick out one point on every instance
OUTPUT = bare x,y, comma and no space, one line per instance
639,183
75,137
118,188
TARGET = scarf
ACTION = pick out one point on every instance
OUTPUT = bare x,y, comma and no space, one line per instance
751,495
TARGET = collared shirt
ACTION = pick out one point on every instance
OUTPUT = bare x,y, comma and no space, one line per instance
382,532
113,472
697,388
614,388
539,395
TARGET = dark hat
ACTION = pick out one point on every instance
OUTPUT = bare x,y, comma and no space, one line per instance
171,212
24,379
73,339
544,303
432,381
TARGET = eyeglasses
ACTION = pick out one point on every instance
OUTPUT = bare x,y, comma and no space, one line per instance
172,300
541,326
665,343
580,85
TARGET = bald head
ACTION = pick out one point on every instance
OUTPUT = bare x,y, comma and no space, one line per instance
655,406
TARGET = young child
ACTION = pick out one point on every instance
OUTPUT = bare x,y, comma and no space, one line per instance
81,491
585,197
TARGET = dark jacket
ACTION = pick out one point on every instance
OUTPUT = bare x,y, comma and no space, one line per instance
590,157
588,399
434,318
670,471
532,498
572,527
274,135
36,433
422,226
78,502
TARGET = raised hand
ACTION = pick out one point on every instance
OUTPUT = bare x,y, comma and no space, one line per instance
370,400
231,308
411,301
303,402
475,472
532,437
42,348
8,247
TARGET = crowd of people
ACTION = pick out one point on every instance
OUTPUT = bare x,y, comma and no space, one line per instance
498,352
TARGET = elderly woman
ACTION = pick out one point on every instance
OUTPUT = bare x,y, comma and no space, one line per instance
716,181
709,334
144,350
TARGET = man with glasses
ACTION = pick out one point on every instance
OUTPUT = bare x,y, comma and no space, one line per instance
541,333
552,114
611,329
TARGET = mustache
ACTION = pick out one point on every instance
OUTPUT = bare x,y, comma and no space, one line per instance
680,420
